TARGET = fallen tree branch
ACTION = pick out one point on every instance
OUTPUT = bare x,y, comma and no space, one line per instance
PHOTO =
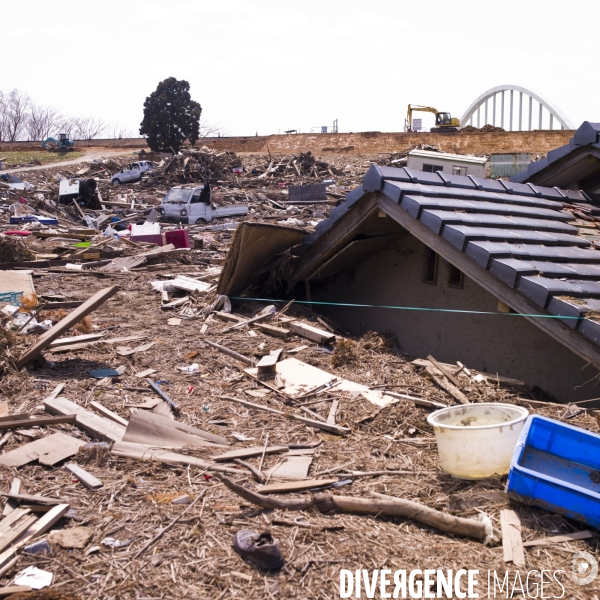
380,505
258,475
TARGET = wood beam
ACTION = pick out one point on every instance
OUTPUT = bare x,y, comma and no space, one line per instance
340,234
555,328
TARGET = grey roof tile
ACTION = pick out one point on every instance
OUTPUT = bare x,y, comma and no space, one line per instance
522,233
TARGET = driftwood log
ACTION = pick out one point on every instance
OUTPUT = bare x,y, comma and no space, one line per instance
380,505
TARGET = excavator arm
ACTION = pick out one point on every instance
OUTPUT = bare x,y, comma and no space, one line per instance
47,143
417,108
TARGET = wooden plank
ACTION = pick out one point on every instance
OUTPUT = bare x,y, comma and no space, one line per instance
10,520
268,362
447,386
249,453
145,373
272,330
294,486
247,322
512,544
84,477
155,430
98,427
555,539
16,530
312,333
555,328
65,324
48,450
88,337
229,317
55,392
20,417
320,425
38,528
128,338
33,499
11,505
294,467
13,589
3,409
443,371
232,353
109,414
38,422
71,348
333,412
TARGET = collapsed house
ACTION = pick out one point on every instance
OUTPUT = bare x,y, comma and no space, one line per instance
575,166
502,276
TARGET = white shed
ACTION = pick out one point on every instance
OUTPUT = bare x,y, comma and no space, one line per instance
453,164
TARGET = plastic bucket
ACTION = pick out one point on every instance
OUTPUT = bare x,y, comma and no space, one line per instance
476,441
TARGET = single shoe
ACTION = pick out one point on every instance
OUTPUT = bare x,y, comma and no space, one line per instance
261,549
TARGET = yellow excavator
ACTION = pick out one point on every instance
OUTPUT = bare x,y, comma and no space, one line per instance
443,120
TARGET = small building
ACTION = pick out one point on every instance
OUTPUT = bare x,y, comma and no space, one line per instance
501,276
575,166
453,164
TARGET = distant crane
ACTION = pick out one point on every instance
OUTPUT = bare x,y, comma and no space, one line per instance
62,144
443,120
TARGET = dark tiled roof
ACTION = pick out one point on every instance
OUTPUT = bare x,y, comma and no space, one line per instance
588,134
524,235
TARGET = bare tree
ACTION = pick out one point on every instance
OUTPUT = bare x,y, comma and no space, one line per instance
210,130
119,131
15,114
43,122
3,116
87,128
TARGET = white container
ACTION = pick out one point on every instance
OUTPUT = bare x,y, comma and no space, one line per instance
476,441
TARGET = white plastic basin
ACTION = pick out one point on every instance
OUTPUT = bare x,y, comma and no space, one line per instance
476,441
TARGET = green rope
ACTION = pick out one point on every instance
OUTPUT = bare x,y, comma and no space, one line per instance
415,308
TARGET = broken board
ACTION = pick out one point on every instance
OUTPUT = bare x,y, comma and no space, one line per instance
155,430
48,450
65,324
249,452
294,486
98,427
294,467
312,333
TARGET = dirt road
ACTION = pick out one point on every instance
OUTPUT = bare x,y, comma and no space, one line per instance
91,155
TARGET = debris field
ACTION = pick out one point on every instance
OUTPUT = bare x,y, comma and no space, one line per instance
145,418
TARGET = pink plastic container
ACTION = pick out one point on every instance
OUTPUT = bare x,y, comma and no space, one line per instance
179,238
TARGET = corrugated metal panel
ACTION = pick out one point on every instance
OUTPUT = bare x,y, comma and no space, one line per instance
505,165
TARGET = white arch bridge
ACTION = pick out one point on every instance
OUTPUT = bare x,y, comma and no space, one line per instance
497,107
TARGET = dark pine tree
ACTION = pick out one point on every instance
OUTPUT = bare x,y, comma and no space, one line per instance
170,116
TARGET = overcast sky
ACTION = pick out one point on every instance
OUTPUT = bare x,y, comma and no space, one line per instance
267,66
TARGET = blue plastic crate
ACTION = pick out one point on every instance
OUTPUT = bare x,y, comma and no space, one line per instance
15,298
557,467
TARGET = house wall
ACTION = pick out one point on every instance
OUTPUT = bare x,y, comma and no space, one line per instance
508,345
447,164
